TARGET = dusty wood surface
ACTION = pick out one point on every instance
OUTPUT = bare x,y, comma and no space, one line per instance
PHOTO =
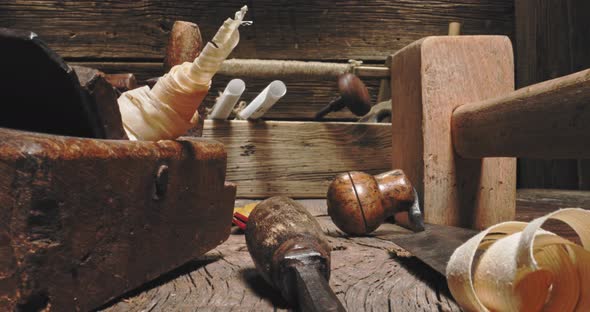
366,276
551,42
546,120
430,78
368,30
366,273
298,158
82,220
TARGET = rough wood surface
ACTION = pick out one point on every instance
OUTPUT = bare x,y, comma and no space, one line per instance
551,41
368,30
367,274
550,119
298,159
103,99
430,78
82,221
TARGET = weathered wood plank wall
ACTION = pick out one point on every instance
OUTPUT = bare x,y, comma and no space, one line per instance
552,41
122,36
130,36
298,158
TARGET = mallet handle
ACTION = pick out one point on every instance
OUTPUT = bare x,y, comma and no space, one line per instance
550,119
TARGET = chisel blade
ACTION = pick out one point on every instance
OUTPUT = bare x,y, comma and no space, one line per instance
435,245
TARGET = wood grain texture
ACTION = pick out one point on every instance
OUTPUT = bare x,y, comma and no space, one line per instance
304,98
366,276
368,30
550,119
366,273
430,78
84,220
551,41
298,159
535,203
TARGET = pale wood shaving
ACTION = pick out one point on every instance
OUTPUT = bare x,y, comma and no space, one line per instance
523,267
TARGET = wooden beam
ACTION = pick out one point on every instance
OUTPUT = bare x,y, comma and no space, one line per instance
327,30
550,119
430,78
298,159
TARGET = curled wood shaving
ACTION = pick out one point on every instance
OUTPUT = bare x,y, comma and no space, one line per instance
522,267
169,109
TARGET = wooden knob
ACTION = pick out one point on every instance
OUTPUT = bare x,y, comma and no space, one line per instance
353,94
359,203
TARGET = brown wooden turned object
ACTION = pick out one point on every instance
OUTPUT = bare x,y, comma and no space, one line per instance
359,203
291,253
184,44
353,94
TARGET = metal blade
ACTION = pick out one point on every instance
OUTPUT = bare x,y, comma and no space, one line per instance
435,245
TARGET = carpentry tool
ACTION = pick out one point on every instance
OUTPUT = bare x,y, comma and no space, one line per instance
353,94
458,125
358,202
40,91
380,112
184,45
298,69
103,95
83,221
80,218
291,253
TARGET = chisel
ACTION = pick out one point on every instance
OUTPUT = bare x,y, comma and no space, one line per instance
291,253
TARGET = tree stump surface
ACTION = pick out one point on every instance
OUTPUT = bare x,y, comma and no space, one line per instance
368,273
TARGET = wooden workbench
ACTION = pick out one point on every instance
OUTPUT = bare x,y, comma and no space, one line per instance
368,273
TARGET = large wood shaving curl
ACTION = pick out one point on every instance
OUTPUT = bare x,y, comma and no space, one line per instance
521,267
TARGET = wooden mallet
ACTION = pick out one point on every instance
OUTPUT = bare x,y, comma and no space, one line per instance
458,125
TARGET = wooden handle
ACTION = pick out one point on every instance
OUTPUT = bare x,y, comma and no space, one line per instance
278,228
184,44
254,68
550,119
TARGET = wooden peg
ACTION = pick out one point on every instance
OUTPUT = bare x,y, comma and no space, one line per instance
454,29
